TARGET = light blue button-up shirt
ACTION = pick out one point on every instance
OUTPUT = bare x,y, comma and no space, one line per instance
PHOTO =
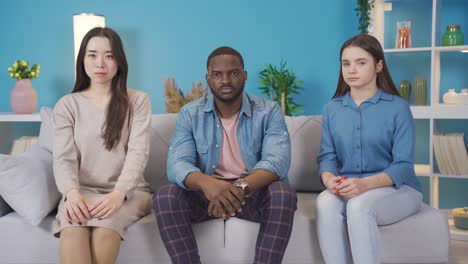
197,139
378,136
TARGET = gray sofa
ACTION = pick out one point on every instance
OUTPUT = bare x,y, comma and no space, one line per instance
421,238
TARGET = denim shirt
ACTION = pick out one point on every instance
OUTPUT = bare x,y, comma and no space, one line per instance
197,139
378,136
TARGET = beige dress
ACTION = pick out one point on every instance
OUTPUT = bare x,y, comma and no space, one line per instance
82,162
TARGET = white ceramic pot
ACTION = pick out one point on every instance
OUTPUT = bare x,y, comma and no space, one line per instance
462,98
450,97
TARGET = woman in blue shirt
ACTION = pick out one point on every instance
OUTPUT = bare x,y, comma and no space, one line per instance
366,157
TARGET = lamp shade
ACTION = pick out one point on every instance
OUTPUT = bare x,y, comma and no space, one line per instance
82,23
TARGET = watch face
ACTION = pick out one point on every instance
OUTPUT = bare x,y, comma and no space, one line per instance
242,183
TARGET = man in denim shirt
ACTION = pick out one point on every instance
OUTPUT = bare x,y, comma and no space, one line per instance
229,156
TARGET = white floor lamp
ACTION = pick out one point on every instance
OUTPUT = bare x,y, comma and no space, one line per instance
82,23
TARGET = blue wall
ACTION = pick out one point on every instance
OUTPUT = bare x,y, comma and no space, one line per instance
174,38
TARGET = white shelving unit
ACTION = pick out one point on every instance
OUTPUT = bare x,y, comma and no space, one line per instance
7,125
12,117
435,110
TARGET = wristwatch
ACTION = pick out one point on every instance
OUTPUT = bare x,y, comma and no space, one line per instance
244,185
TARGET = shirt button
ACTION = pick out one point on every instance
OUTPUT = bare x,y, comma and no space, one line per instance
170,148
214,166
217,125
217,145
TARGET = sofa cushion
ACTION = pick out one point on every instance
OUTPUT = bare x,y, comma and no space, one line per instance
46,131
427,229
27,183
162,126
305,134
21,242
4,207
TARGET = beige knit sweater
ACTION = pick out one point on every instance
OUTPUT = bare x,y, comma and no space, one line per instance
80,158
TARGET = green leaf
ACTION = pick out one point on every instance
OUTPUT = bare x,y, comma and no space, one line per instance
276,80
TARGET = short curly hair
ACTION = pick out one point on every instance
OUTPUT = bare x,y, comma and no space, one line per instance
224,50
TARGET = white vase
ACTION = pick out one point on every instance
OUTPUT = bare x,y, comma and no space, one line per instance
462,98
450,97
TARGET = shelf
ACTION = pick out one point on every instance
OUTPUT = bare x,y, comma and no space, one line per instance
421,112
422,169
452,48
440,111
451,176
12,117
422,49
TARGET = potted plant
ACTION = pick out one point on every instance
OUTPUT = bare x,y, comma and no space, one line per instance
280,84
23,97
363,11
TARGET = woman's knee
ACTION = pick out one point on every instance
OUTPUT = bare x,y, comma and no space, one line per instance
75,232
359,206
328,202
328,199
104,234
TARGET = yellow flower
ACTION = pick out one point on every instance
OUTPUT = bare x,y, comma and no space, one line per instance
38,67
21,69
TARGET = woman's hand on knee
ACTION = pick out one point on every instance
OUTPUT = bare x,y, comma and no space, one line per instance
349,188
75,208
107,205
332,183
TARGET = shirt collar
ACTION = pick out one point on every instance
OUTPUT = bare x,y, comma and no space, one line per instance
209,102
379,95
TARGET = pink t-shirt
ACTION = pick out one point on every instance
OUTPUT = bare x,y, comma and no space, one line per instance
230,165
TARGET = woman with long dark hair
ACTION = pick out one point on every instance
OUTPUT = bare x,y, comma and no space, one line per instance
101,146
366,157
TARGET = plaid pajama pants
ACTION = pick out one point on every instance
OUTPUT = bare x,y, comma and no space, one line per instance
273,207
